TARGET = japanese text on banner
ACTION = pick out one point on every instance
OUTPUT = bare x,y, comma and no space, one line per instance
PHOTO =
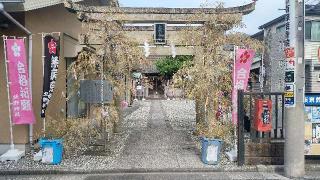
241,75
18,75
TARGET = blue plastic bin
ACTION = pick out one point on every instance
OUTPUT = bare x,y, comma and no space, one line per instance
52,150
210,150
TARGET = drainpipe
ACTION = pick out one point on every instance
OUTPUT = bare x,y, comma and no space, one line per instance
6,14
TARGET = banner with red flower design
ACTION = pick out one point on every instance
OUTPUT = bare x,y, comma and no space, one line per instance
19,85
243,62
50,70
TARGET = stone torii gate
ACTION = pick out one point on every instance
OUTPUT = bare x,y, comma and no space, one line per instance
141,21
140,25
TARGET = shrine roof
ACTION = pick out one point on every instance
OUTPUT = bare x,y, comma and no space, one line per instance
245,9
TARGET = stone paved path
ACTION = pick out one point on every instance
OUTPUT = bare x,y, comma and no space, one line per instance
159,145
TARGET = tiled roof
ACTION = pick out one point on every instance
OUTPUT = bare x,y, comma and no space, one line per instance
259,35
272,22
36,4
313,9
29,5
310,10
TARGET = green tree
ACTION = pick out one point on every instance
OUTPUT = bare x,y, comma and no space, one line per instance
168,66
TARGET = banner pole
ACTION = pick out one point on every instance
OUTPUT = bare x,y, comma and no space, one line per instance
8,92
44,127
262,72
233,82
30,83
102,105
42,51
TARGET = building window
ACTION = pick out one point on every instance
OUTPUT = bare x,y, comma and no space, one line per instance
308,30
312,30
160,33
281,29
316,68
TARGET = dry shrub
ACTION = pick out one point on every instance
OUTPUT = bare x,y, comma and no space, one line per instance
223,130
75,132
208,79
78,133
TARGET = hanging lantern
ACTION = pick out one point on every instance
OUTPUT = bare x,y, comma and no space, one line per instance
173,50
263,117
146,49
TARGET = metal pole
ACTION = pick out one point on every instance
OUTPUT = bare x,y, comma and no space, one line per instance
240,113
30,80
43,59
262,72
102,105
8,92
234,85
125,86
6,14
294,159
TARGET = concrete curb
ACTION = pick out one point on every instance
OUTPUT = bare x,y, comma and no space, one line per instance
116,171
280,168
258,168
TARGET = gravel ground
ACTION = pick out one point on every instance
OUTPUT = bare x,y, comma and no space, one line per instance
82,162
160,146
182,116
156,135
137,119
180,113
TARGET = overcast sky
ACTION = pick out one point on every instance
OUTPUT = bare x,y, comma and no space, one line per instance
266,10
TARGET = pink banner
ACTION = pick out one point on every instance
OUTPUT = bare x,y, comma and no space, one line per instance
241,75
20,96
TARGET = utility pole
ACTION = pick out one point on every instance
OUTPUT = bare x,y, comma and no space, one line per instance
294,159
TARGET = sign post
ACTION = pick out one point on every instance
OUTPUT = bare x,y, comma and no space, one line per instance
290,86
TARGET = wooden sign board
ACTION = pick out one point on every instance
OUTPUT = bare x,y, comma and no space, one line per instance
90,91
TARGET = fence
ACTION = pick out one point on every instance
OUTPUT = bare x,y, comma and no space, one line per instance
246,112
